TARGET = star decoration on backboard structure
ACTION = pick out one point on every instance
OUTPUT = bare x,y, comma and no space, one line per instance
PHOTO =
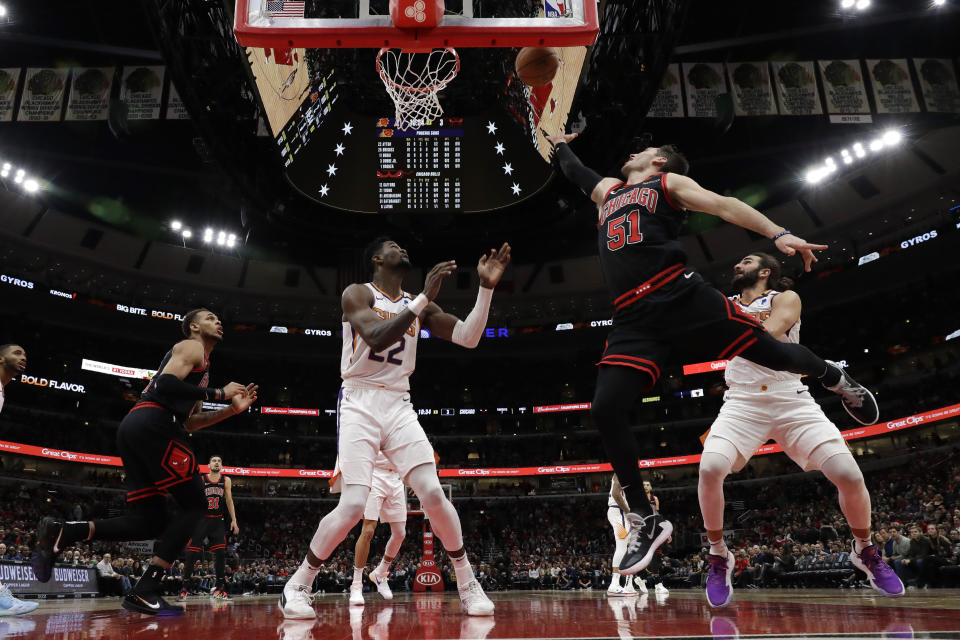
339,149
516,189
332,170
491,127
508,169
324,190
347,128
500,148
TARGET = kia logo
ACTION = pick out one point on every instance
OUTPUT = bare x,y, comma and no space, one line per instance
428,579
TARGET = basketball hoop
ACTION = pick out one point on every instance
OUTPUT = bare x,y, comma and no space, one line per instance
413,79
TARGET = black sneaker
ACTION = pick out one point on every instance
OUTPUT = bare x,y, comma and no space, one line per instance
45,552
645,537
151,604
857,399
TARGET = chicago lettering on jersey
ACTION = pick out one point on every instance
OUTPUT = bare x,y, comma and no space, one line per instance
643,196
387,315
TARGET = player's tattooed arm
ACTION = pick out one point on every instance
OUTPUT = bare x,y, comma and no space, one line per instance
784,313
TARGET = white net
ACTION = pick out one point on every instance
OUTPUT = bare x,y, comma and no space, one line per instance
413,79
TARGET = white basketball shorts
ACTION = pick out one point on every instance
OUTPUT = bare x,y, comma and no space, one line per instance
784,411
387,499
618,521
373,420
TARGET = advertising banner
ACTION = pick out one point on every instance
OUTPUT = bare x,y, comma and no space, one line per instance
67,582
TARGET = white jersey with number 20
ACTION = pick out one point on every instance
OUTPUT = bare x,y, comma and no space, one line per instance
387,369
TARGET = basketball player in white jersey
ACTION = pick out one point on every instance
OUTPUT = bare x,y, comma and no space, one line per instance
388,503
13,362
381,325
761,404
617,509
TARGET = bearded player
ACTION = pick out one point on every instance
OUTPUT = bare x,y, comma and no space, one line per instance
381,325
664,310
158,461
761,404
13,362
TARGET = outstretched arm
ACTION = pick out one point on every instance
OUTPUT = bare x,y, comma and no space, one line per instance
584,177
357,303
690,195
186,356
784,313
467,332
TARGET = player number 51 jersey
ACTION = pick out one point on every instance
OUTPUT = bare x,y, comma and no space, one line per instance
741,371
390,368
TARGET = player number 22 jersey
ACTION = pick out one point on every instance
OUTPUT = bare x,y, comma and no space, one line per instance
741,371
390,368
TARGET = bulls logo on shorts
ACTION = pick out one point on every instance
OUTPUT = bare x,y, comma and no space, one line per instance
179,461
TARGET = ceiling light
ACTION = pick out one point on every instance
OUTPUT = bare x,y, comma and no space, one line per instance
3,11
31,186
847,4
208,235
844,152
876,145
231,240
847,159
858,149
19,177
20,173
6,166
892,136
4,173
221,240
862,4
176,225
829,160
187,233
814,176
936,3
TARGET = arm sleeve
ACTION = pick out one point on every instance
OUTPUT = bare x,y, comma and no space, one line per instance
467,333
173,387
583,176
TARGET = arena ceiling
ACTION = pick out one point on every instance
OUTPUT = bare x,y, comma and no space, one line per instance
140,175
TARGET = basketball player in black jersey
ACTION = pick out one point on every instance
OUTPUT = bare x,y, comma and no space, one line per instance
664,310
158,460
217,491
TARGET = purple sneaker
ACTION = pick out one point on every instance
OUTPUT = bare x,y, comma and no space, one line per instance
719,579
881,576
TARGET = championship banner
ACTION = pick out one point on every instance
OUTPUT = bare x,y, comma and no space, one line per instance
668,102
843,86
937,81
42,99
908,422
704,82
66,582
797,93
141,90
893,86
90,93
175,108
9,83
752,93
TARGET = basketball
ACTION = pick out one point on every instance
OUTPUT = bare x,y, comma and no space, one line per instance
537,66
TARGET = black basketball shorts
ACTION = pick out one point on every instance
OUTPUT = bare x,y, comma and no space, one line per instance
214,529
155,452
702,326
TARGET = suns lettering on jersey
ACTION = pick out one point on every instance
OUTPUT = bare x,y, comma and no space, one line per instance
387,315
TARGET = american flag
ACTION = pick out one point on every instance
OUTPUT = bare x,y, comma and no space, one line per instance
284,9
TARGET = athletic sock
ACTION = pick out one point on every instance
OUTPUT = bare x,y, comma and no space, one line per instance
859,544
615,581
149,582
357,575
383,569
305,574
461,566
718,548
831,376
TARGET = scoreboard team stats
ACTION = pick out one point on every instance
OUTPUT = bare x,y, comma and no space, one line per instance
419,169
361,162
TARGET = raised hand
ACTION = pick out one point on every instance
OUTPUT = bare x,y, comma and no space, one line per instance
232,390
243,401
790,244
556,139
491,267
431,284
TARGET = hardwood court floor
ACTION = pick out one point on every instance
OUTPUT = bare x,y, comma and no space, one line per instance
519,614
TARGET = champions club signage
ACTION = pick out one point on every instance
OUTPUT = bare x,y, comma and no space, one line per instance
66,582
908,422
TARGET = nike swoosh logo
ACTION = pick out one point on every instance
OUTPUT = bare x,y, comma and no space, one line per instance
152,606
800,390
688,275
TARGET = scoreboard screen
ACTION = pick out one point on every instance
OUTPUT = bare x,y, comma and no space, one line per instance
420,169
362,163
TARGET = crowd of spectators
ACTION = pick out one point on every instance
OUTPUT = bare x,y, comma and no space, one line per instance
780,537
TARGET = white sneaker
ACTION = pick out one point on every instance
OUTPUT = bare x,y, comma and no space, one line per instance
629,590
295,629
11,606
296,601
356,595
382,586
661,589
641,584
614,591
474,601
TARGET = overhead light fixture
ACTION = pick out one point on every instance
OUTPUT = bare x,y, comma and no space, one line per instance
847,4
176,225
231,240
3,11
187,233
7,166
31,186
892,136
862,4
936,3
208,235
888,138
859,150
